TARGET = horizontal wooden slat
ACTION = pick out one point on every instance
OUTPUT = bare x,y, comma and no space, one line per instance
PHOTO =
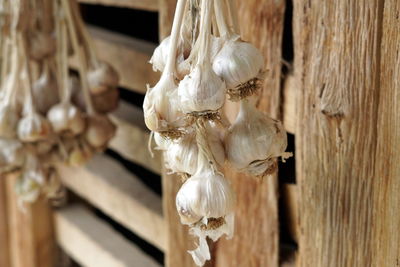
92,243
149,5
129,56
131,139
110,187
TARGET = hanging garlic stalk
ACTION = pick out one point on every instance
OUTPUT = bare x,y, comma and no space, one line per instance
202,92
238,63
160,105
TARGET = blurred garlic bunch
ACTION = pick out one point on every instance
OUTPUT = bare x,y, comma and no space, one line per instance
204,62
41,123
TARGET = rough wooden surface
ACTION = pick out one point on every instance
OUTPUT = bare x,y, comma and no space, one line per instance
131,130
129,56
256,240
4,246
30,231
165,17
122,196
386,252
93,243
149,5
338,57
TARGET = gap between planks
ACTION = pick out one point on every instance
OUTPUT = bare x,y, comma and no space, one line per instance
110,187
78,233
148,5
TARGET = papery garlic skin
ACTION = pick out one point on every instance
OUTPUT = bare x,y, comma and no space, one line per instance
28,190
254,141
8,121
33,127
99,131
161,113
42,45
201,91
162,142
240,65
66,118
159,57
45,93
206,194
11,154
102,77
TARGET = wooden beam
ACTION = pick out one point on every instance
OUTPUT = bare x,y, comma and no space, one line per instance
291,203
165,17
256,240
338,57
92,243
131,139
289,104
108,186
127,55
4,245
386,216
149,5
30,230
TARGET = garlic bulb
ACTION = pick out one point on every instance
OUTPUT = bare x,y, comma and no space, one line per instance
162,142
205,194
79,154
45,93
41,45
202,91
99,131
28,190
8,121
106,101
161,113
159,57
11,154
182,154
67,119
102,77
239,64
33,127
254,141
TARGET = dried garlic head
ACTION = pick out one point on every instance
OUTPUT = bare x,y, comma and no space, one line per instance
240,65
33,127
107,101
99,131
11,154
102,77
254,141
9,118
66,118
161,113
41,45
45,92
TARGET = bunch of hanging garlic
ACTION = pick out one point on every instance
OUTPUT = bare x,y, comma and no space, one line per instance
203,62
47,115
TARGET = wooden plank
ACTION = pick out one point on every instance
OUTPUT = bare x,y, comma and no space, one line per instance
165,17
127,55
131,130
92,243
256,240
108,186
4,245
290,200
30,231
289,104
387,183
337,56
149,5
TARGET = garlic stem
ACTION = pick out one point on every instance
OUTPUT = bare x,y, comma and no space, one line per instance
90,47
178,18
205,33
220,17
232,8
66,95
30,108
83,67
205,153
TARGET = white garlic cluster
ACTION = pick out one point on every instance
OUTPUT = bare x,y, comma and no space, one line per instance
44,118
204,62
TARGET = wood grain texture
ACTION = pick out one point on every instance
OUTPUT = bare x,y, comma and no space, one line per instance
256,240
149,5
129,56
386,252
30,231
165,17
337,58
107,185
93,243
4,245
